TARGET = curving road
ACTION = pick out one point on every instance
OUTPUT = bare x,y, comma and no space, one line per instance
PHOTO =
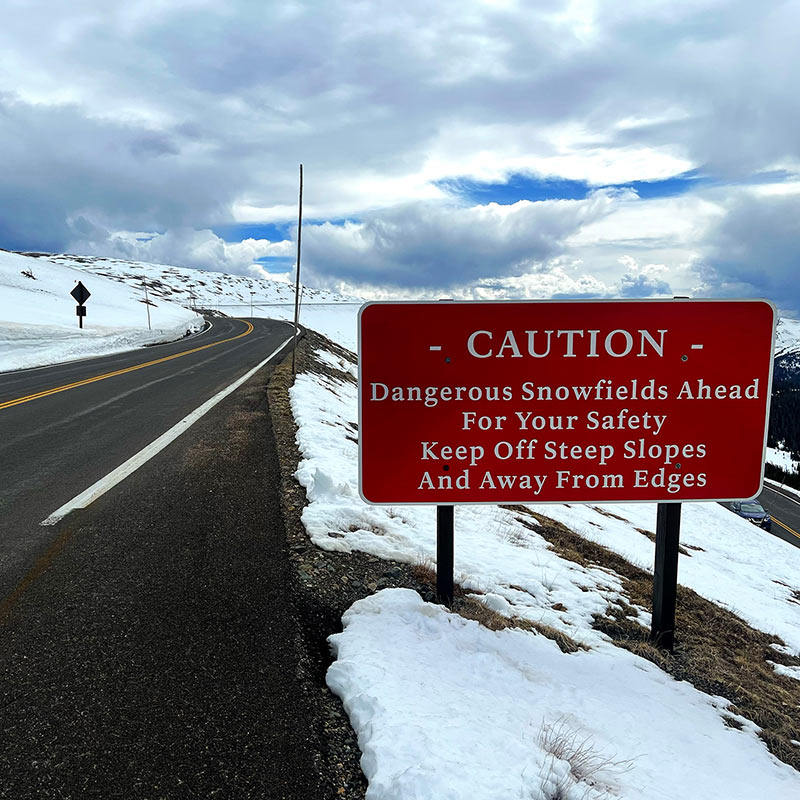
148,643
784,507
64,427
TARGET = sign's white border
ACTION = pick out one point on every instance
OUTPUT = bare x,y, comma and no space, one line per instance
533,500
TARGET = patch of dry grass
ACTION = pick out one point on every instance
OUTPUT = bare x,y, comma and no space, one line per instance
588,767
471,608
715,650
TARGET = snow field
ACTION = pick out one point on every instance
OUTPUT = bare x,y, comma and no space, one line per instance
38,324
445,708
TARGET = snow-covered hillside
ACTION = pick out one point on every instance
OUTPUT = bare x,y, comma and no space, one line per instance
38,324
199,288
787,337
37,315
787,353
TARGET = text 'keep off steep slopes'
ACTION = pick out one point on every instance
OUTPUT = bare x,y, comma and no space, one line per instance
551,401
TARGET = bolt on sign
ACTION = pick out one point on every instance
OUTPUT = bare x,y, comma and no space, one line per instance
564,401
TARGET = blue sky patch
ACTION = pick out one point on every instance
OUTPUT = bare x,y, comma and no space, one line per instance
264,230
253,230
525,187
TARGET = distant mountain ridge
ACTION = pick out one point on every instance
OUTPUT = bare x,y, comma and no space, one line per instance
197,288
787,353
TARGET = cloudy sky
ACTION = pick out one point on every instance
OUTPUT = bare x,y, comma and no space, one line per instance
479,148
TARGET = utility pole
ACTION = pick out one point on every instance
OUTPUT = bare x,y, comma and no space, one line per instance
297,279
251,303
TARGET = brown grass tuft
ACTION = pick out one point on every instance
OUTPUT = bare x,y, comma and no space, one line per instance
588,767
470,608
715,650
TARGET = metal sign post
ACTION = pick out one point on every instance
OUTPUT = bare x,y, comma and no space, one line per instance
297,278
665,575
444,554
147,306
81,295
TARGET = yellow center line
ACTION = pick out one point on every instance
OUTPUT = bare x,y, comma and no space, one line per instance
786,528
75,385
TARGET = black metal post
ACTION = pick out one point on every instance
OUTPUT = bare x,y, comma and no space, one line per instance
444,554
665,574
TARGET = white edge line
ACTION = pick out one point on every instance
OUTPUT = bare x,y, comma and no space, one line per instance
777,491
119,474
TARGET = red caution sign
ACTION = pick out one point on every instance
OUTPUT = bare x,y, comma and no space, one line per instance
556,402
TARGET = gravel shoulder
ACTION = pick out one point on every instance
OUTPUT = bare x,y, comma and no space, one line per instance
326,583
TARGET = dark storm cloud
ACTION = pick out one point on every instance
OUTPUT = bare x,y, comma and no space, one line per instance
439,246
755,251
60,165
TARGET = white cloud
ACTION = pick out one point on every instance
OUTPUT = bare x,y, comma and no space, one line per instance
643,281
182,247
163,115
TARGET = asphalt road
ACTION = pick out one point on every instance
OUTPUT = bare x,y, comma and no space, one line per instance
784,508
54,446
148,646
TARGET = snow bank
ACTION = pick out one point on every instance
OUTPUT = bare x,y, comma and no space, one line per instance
782,459
448,710
38,323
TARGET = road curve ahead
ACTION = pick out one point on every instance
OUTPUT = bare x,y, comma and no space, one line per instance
785,510
64,428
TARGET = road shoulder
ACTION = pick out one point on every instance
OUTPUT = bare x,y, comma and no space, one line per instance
160,654
326,583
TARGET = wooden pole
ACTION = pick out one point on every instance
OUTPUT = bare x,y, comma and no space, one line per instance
297,277
147,306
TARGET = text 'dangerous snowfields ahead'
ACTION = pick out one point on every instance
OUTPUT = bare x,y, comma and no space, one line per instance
582,401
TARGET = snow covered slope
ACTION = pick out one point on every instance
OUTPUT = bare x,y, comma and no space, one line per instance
787,337
38,323
234,295
37,316
787,352
200,288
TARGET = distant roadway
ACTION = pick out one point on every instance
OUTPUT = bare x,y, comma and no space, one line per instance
784,508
